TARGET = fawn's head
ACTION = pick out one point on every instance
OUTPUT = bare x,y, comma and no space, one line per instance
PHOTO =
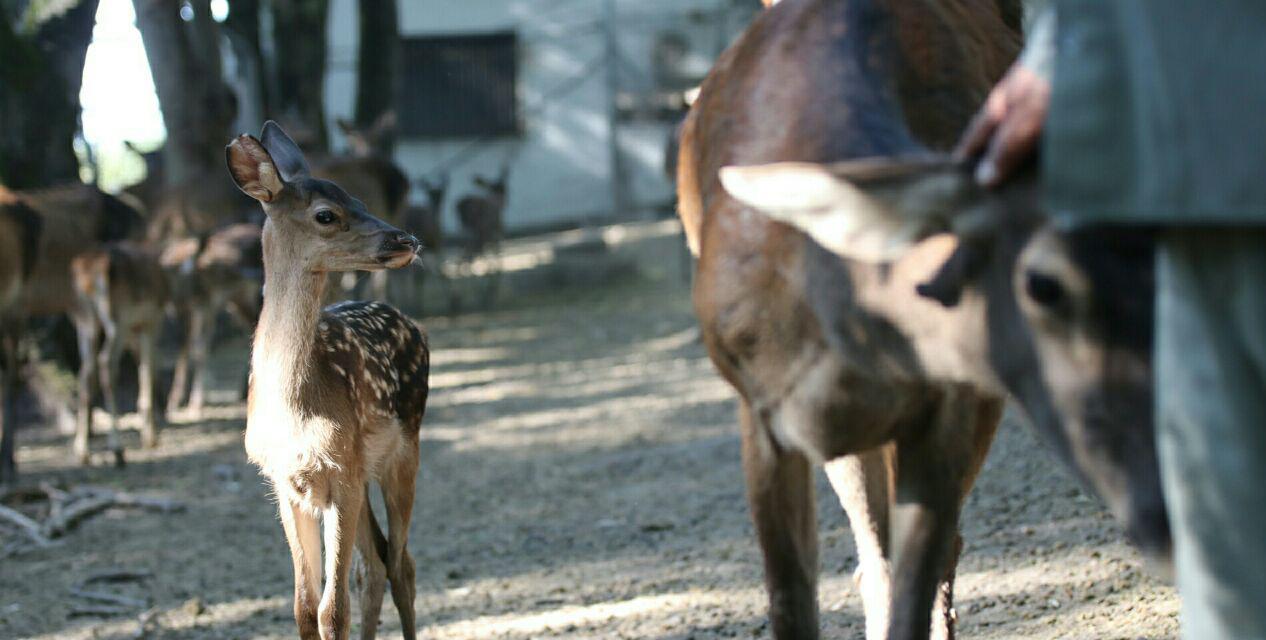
435,189
495,186
320,225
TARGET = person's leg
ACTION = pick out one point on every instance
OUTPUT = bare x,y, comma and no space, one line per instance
1211,422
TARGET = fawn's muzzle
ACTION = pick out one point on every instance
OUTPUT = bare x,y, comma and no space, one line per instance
398,249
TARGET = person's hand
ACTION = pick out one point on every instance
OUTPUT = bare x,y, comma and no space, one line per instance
1006,131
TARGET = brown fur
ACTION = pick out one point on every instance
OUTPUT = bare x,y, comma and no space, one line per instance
73,219
20,231
223,273
832,359
481,215
125,292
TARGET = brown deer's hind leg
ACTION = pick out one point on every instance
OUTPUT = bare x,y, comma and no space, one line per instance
934,464
988,415
201,323
863,483
304,536
107,373
397,493
145,393
180,374
780,492
372,547
86,331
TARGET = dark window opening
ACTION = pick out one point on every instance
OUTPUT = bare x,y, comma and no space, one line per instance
459,86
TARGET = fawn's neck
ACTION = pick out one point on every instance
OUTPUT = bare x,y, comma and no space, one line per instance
285,337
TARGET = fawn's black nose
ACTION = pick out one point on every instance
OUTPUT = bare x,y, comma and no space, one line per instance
407,241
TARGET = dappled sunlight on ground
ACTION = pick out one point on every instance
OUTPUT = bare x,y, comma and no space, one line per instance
580,478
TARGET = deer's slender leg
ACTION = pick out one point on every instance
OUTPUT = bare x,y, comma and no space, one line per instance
780,492
397,491
86,332
988,415
199,334
107,373
145,382
180,375
303,534
933,465
863,483
340,520
373,550
9,386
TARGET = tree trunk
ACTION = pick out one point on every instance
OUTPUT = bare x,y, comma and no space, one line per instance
198,107
244,34
40,77
299,42
377,66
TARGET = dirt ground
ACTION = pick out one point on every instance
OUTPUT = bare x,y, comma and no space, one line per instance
580,479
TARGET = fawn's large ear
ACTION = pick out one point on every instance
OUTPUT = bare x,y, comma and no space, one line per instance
871,210
285,152
253,169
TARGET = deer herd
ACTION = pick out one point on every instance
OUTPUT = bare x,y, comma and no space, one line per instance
872,307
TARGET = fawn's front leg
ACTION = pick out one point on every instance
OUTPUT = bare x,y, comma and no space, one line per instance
341,520
304,536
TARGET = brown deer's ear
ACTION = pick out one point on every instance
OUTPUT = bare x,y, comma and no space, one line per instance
253,169
873,209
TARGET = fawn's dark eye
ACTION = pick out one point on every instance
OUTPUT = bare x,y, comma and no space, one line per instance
325,216
1044,289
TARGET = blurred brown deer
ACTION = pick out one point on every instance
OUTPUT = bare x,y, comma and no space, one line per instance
222,273
20,231
123,294
480,214
843,363
426,223
481,217
79,220
337,395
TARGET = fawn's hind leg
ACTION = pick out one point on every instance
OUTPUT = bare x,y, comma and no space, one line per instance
372,547
397,492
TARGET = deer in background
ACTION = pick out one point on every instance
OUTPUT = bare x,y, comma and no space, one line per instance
225,272
76,219
337,395
481,217
20,231
123,294
426,223
480,214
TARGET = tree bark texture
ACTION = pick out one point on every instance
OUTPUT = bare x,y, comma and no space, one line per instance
378,65
299,40
41,71
198,107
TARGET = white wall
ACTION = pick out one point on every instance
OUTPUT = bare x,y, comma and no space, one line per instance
559,166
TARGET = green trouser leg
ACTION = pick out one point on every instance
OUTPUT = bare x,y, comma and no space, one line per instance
1211,438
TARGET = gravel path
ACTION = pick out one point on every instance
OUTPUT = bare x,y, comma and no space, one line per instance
581,480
